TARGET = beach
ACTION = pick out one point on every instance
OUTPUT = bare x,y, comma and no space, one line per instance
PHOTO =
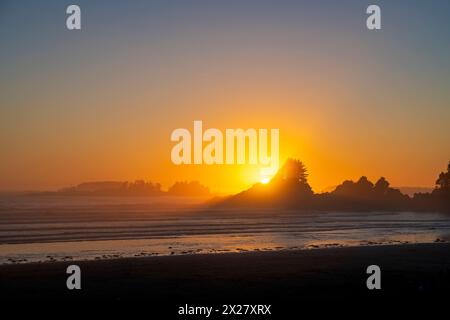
170,253
416,271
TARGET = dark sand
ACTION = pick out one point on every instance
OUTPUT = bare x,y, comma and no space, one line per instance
409,272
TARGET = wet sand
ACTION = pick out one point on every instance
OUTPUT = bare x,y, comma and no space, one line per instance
409,272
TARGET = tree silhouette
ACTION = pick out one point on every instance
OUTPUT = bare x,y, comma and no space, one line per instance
443,181
294,170
381,186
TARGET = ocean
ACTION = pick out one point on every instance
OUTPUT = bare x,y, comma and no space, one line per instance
64,228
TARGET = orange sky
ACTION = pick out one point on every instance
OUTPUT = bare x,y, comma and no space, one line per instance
101,104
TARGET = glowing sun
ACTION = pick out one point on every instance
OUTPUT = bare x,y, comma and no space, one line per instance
265,180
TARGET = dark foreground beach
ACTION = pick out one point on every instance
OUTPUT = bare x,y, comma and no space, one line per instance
408,272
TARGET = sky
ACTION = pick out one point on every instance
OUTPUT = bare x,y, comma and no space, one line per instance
101,103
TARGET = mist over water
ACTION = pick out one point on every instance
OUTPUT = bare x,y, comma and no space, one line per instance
59,228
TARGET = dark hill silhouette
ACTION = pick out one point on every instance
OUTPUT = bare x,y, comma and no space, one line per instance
439,198
289,188
363,195
114,188
184,188
125,188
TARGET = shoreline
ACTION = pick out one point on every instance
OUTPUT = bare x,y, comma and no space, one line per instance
141,255
408,271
